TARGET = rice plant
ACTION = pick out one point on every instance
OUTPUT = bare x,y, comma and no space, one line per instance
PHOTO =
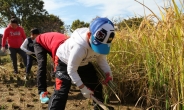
148,62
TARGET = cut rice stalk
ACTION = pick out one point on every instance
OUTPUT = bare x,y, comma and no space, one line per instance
102,76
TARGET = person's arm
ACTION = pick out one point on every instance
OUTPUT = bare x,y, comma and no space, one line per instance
4,38
103,64
24,46
77,54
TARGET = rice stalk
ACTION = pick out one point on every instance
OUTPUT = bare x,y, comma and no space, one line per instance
154,53
102,76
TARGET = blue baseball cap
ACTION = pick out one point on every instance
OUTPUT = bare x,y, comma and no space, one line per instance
102,34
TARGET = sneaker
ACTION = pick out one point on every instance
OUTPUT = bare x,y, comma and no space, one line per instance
44,98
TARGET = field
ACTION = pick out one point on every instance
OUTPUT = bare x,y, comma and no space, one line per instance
18,94
147,64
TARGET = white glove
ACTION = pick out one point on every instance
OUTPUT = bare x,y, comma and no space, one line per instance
3,49
29,52
86,92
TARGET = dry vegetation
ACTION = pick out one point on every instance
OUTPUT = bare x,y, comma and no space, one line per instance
148,62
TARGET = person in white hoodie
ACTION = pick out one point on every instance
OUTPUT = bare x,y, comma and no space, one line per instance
73,59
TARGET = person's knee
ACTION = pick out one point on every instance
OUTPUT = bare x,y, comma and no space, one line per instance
62,87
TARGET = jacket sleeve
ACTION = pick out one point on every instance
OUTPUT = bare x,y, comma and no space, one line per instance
4,38
24,45
77,54
103,64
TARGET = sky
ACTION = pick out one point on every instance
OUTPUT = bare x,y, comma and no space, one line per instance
85,10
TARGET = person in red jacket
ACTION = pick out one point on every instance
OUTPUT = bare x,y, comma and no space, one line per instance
14,35
46,43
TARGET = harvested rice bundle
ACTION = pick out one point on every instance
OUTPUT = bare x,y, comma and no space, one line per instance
102,77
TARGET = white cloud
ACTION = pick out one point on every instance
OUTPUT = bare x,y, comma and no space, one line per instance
52,5
125,8
107,8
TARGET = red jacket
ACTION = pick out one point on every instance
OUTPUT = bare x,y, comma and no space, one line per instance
51,41
15,37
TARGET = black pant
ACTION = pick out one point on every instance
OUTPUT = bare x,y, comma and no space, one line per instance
30,59
41,56
63,83
13,55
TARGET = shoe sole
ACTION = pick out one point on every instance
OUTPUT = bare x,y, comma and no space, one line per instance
44,102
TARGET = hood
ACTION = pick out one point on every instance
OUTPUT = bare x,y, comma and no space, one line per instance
9,27
80,37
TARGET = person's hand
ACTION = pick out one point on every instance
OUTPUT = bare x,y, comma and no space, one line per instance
86,92
3,49
107,78
29,53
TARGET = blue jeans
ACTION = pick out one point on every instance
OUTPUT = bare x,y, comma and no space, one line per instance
30,59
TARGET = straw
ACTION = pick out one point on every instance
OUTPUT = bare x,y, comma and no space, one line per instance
102,76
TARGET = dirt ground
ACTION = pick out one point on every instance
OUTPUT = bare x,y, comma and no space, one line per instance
18,94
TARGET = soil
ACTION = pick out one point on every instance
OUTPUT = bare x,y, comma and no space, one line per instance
19,94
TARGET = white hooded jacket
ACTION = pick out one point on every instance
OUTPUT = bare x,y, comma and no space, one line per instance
76,52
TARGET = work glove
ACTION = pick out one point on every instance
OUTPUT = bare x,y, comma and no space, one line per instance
29,52
86,92
3,49
108,78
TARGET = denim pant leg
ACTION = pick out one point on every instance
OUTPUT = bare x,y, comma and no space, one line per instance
23,55
29,63
13,56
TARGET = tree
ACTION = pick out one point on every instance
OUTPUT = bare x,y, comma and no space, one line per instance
53,23
46,23
30,14
3,21
133,22
78,24
22,9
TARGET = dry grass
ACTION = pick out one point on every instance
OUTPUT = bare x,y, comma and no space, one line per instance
154,55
